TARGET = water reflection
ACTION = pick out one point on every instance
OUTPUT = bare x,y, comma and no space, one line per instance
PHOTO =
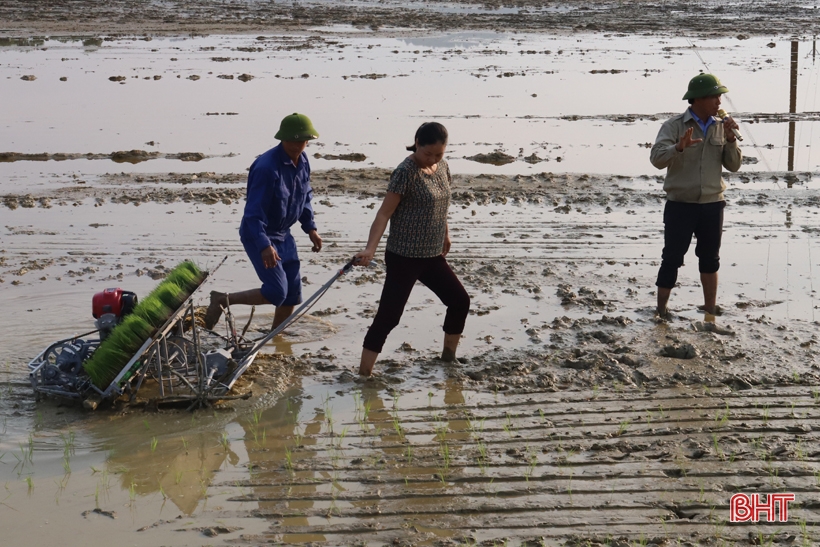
180,468
792,103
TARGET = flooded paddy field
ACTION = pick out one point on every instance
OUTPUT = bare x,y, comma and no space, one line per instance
513,103
573,417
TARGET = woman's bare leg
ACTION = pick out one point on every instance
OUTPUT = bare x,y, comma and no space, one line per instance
368,360
450,345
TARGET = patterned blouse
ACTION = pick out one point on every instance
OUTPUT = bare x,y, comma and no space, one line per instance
419,223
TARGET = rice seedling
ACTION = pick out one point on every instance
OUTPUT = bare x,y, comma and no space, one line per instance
483,457
622,427
430,398
154,442
149,314
532,460
766,414
439,427
722,417
30,483
177,477
132,491
815,394
397,426
444,451
773,472
341,437
804,533
661,412
409,455
224,442
289,461
184,444
800,450
24,458
508,425
716,446
329,418
67,465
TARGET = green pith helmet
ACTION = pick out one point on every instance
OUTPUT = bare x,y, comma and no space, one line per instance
296,127
704,85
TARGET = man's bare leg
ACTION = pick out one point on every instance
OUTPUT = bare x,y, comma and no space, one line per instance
709,281
450,345
251,297
368,360
663,300
282,313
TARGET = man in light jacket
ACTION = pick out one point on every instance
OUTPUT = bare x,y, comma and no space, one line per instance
694,147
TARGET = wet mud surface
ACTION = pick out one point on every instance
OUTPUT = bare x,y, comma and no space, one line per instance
368,15
573,417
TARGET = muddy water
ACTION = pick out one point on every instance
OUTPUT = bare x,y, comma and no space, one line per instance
529,437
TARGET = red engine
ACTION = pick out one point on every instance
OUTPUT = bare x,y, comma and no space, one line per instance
114,301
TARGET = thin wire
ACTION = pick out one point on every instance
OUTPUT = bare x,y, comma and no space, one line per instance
746,128
811,277
788,288
816,74
762,157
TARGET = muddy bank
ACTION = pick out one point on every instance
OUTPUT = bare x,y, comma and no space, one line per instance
122,156
701,17
560,190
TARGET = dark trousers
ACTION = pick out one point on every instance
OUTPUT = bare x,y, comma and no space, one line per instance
402,274
680,222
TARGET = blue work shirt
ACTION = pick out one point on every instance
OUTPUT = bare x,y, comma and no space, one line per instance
279,194
704,125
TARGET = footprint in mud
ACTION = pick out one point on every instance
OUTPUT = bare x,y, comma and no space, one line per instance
706,326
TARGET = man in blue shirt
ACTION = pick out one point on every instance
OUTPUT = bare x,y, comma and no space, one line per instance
279,195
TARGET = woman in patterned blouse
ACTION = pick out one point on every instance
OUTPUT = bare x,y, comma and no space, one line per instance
416,204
